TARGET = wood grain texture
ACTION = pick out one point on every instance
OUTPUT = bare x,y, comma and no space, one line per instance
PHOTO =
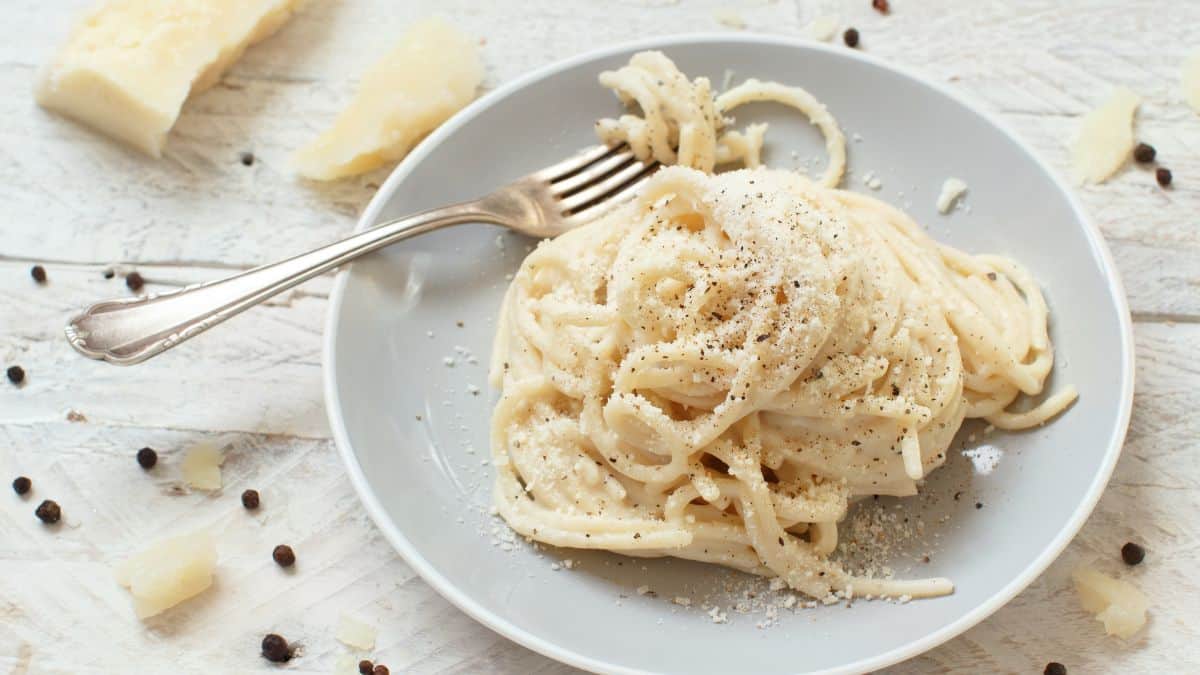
77,203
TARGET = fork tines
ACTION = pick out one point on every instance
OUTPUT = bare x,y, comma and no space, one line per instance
597,178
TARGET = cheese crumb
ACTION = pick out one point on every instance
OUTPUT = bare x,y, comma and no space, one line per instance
1105,138
1118,604
201,466
823,28
952,189
729,18
682,601
355,633
168,572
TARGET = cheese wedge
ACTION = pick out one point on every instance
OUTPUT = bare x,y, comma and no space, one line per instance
1105,138
1191,80
430,75
129,65
168,572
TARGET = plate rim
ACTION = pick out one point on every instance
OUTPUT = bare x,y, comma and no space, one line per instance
468,605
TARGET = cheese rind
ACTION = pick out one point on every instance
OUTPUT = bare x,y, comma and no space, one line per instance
129,65
168,572
431,74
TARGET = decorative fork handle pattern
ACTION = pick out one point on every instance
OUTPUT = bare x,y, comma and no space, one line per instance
131,330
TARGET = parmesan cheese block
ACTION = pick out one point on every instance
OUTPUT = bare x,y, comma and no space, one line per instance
169,572
201,466
129,65
1105,138
1116,603
1191,80
430,75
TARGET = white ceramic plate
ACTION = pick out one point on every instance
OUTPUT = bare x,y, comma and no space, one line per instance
415,438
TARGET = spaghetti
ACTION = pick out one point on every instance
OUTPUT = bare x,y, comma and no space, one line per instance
717,369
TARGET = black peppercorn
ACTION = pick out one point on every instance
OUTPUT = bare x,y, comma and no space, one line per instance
16,374
250,499
365,667
49,512
284,555
1144,152
881,6
850,37
1163,176
1132,554
147,458
134,281
38,273
275,648
21,485
1055,668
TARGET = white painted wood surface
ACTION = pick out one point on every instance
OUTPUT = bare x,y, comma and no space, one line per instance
77,203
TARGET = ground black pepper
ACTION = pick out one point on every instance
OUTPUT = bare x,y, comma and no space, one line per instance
1132,554
1144,153
134,281
284,555
16,374
1055,668
250,499
48,512
247,159
21,485
147,458
108,274
275,648
1163,176
38,273
850,37
979,505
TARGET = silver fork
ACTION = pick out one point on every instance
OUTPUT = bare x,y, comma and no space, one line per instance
545,203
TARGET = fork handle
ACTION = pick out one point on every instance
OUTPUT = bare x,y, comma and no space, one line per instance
131,330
